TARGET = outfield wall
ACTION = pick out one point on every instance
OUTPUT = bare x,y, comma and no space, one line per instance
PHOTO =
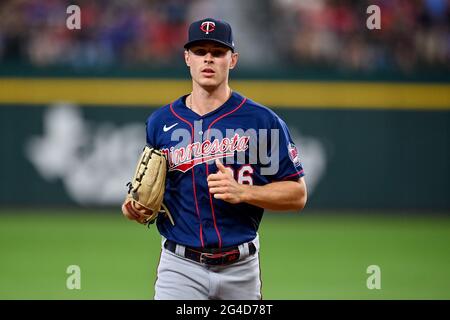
363,145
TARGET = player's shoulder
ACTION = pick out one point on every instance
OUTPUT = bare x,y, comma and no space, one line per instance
159,113
261,111
163,113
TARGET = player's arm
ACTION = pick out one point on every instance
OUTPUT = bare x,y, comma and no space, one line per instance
282,195
130,209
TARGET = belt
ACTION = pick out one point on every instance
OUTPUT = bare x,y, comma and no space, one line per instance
213,257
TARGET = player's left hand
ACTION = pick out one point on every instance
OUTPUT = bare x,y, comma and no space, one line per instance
223,186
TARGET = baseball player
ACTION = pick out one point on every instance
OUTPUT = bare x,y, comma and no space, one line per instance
229,158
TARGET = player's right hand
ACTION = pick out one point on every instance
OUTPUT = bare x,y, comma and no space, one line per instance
133,210
224,187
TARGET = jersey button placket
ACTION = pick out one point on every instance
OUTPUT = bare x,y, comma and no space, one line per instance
202,168
207,224
198,130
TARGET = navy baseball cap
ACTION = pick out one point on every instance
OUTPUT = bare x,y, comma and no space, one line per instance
211,30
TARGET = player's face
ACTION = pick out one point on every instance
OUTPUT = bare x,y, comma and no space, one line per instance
210,63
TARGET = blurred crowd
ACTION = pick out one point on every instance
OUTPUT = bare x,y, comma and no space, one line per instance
414,34
132,32
324,33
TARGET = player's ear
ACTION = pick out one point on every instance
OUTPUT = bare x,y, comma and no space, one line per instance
234,59
187,58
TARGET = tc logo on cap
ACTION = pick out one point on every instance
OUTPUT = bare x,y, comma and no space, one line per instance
208,26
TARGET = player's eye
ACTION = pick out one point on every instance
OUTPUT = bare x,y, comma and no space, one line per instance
218,53
199,52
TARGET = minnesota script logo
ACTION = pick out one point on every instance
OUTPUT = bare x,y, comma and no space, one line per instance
185,158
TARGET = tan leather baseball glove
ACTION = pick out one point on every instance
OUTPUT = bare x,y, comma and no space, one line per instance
145,196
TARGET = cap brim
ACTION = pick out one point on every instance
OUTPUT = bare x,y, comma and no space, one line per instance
191,43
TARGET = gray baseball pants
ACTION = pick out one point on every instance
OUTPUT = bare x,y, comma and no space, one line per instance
180,278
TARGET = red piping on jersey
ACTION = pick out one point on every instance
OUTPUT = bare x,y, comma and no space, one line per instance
207,171
193,174
293,175
226,114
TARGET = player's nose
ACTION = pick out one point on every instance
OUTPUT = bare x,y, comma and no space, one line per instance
208,57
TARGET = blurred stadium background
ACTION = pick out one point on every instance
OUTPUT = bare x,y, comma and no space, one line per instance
368,108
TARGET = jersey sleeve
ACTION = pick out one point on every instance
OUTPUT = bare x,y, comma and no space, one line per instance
151,131
289,164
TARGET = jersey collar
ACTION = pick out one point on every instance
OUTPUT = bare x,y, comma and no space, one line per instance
232,102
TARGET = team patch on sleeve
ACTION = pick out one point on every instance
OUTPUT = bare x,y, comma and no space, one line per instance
293,154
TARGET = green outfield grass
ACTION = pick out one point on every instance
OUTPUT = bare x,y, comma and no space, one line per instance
303,256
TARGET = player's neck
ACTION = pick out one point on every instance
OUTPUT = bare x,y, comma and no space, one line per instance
203,101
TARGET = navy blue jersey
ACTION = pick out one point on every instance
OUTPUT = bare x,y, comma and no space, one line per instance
248,138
